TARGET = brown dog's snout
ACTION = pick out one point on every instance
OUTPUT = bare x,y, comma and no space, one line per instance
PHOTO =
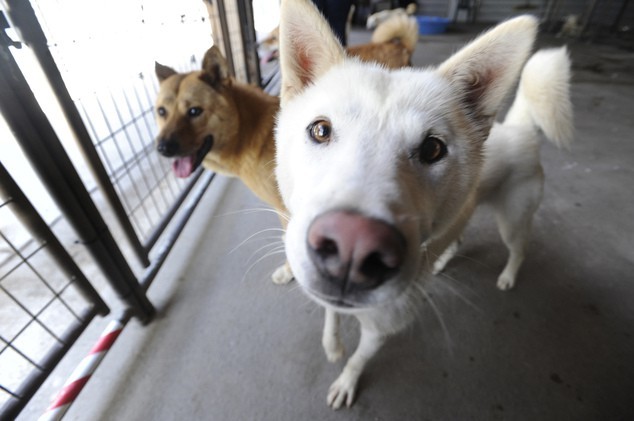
354,251
167,147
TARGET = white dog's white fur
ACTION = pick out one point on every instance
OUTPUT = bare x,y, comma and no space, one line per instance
512,178
375,19
369,157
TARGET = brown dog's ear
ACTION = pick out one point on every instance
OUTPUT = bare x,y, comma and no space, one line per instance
215,70
308,47
485,70
163,72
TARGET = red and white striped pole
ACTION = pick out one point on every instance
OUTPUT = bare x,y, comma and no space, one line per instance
84,370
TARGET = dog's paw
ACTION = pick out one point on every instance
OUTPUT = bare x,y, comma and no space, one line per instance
445,257
282,275
439,266
505,282
334,349
342,391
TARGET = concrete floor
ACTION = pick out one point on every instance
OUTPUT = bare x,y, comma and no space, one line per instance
229,345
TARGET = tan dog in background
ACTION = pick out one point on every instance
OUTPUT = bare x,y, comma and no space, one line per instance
393,43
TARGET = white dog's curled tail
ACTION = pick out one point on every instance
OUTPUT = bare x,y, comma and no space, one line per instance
543,96
399,27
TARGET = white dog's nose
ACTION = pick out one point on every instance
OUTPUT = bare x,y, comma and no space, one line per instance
354,251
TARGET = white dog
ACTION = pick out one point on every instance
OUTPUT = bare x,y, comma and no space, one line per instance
375,19
382,169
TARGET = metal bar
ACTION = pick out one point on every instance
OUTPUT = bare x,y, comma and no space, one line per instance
41,145
188,210
26,213
27,389
249,42
23,16
226,39
167,217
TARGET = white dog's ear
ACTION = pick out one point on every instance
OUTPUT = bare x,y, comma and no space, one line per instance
308,47
486,69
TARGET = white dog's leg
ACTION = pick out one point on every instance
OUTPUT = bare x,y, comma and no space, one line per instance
330,339
344,388
515,230
514,215
282,275
446,256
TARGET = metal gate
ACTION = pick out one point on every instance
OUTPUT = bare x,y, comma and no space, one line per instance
96,191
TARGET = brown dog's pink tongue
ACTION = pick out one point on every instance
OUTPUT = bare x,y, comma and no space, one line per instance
183,166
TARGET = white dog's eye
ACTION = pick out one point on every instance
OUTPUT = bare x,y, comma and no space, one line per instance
320,130
433,149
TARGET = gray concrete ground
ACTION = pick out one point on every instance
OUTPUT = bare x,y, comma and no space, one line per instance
229,345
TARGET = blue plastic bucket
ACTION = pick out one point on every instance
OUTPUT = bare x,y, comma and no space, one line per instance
429,25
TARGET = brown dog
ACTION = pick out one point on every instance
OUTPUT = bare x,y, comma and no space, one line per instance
206,117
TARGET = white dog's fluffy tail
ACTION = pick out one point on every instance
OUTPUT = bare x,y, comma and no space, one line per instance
401,27
543,96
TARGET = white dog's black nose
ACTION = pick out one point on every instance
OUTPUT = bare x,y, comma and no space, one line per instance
354,251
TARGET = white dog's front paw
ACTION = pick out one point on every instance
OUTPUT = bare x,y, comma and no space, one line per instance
342,390
282,275
445,257
505,282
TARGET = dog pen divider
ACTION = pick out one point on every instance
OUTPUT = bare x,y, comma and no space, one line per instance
150,206
12,197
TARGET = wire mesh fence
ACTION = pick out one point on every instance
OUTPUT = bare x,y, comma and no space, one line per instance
45,300
115,97
109,75
122,125
35,307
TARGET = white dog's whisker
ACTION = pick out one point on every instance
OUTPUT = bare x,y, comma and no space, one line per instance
270,246
439,316
253,210
271,253
454,291
253,236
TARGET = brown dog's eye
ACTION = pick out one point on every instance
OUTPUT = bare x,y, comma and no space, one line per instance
320,131
194,111
431,150
161,111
